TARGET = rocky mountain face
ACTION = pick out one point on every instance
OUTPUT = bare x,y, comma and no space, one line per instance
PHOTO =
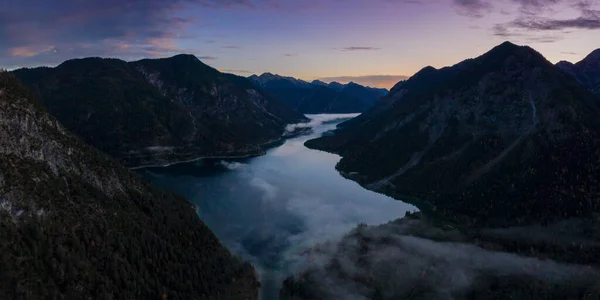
586,71
506,138
160,110
75,224
319,97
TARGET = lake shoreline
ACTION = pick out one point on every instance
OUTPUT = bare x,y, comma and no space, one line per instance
263,148
270,209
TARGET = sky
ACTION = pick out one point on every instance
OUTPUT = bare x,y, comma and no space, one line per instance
373,42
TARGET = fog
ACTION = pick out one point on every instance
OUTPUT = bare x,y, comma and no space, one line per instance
320,119
271,209
390,262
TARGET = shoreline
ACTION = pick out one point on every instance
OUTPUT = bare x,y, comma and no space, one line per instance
423,206
263,147
193,160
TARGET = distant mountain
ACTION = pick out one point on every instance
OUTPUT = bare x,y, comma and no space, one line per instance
318,96
505,138
154,111
586,71
75,224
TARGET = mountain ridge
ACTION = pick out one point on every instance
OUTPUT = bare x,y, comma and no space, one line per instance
162,110
466,126
76,224
586,71
318,96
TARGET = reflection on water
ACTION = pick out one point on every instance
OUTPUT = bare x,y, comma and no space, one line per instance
269,209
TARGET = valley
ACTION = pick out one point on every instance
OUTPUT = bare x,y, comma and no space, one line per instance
271,208
472,181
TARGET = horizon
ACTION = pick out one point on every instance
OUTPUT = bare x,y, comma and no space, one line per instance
312,40
362,80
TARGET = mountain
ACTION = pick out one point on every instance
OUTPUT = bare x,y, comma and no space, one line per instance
503,139
75,224
586,71
318,96
155,111
274,79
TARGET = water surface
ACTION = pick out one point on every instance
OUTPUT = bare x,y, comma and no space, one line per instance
269,209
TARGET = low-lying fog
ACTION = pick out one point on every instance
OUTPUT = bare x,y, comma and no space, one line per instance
270,209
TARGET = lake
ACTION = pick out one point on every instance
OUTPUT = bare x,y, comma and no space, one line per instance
270,209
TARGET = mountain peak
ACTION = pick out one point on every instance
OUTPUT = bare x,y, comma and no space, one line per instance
594,56
318,82
564,63
508,44
184,56
508,49
267,77
424,71
566,66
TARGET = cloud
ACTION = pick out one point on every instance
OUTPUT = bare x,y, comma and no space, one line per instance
269,191
126,29
546,24
381,81
233,165
535,16
537,21
570,53
236,71
231,47
290,54
207,57
544,38
473,8
360,49
30,51
72,28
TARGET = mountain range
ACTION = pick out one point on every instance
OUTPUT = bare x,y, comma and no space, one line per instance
319,97
489,149
587,71
506,138
500,153
156,111
76,224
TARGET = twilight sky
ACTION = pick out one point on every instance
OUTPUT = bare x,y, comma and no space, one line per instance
374,42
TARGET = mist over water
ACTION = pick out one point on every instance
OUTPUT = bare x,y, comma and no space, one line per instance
270,209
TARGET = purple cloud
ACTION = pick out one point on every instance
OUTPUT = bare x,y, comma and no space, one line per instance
535,20
360,49
473,8
41,31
